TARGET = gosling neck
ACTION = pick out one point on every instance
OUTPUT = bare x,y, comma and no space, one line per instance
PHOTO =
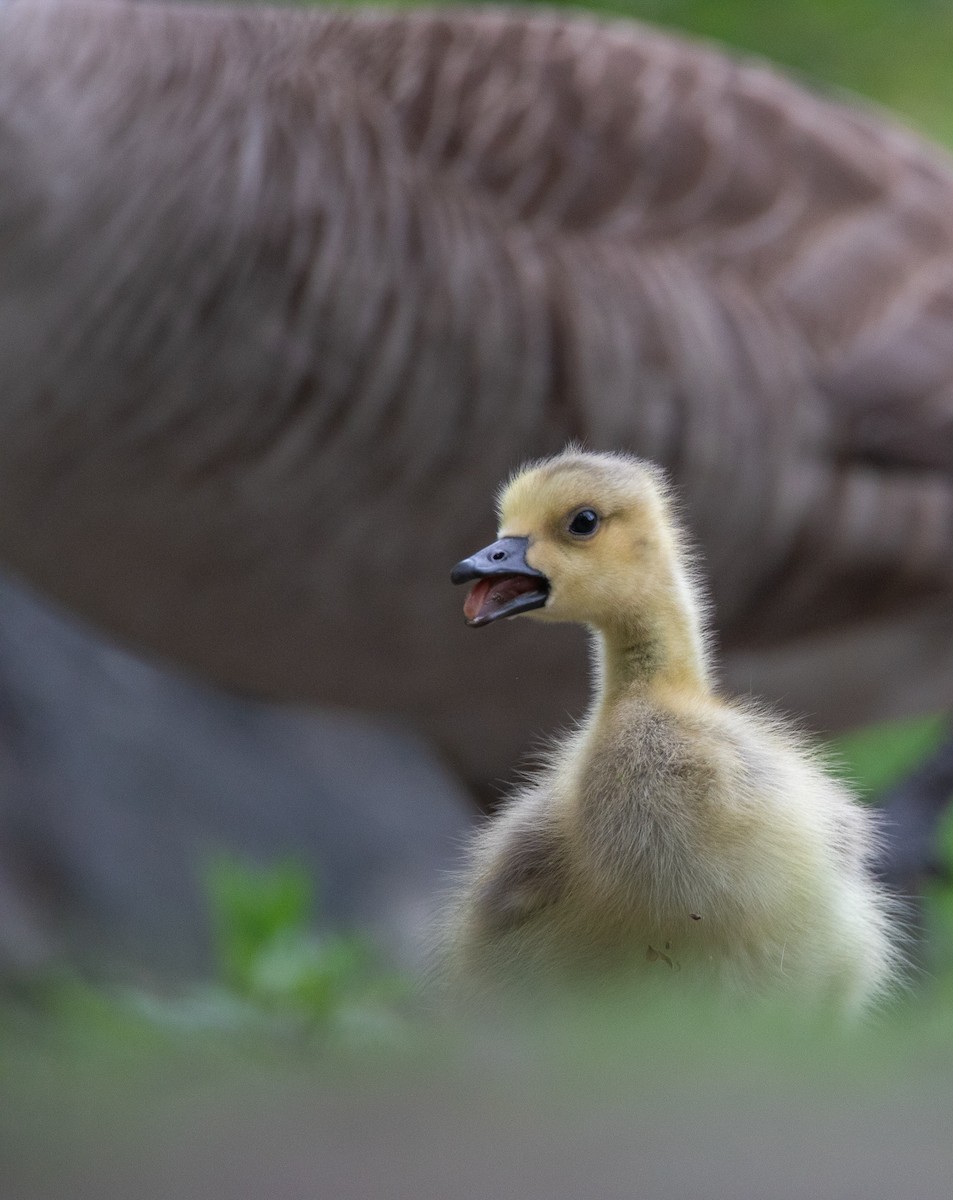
660,651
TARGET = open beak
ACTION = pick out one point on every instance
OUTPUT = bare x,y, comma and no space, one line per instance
506,583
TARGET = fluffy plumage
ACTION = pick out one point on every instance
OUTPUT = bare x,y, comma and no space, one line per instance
673,831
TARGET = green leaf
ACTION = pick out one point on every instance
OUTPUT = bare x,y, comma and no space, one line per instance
875,757
252,907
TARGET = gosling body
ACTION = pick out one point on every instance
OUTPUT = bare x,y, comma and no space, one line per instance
674,833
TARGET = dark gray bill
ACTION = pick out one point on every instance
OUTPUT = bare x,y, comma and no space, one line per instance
505,582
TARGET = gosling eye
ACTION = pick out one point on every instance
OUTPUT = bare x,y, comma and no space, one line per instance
584,523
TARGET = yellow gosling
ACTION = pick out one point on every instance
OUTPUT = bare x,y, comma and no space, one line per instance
675,833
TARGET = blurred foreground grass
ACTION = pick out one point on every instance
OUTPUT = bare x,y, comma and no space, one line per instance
657,1097
305,1070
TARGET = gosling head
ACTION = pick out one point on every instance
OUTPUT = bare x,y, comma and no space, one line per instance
582,537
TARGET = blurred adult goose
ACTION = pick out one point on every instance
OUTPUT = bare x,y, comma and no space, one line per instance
673,831
272,280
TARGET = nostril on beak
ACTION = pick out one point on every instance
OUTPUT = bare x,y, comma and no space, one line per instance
498,555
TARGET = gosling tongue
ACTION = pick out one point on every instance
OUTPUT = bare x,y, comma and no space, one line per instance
491,598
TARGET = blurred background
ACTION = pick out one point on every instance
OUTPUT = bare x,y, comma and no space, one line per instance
122,777
233,863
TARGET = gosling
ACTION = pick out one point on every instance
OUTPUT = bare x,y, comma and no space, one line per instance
674,833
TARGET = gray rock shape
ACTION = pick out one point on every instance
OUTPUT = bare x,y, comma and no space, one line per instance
119,780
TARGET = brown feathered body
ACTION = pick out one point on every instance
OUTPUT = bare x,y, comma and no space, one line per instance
674,836
283,294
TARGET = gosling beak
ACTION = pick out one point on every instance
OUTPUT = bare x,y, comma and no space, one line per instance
506,583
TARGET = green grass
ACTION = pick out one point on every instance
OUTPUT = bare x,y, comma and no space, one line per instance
281,969
100,1101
